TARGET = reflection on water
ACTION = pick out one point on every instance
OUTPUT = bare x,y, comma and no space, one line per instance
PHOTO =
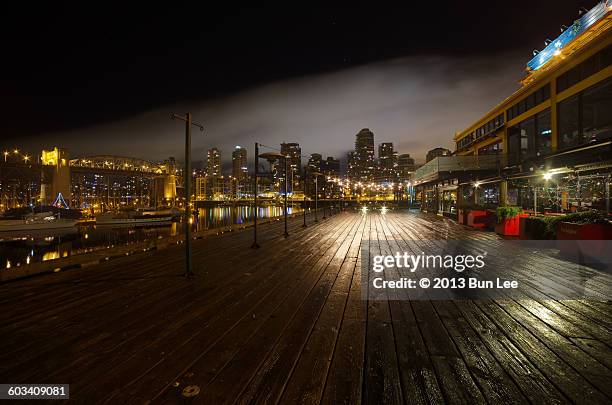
18,249
222,216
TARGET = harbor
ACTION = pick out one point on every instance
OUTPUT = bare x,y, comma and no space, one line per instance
23,247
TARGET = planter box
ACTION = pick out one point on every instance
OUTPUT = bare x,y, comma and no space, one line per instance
570,231
511,226
587,244
508,227
478,218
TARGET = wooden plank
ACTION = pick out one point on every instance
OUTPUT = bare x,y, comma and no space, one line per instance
268,383
565,378
533,383
496,385
344,380
556,340
382,383
418,377
307,380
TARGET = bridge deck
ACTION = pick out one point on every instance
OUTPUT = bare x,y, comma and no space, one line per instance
286,323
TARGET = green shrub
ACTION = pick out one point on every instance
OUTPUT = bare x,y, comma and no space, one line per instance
586,217
545,227
537,227
507,213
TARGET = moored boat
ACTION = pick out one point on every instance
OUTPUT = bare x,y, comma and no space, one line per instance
131,218
37,221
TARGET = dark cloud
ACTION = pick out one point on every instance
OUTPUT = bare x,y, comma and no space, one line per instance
415,102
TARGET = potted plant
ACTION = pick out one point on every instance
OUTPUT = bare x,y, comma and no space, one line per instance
508,221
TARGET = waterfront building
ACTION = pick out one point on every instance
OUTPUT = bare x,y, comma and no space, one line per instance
546,147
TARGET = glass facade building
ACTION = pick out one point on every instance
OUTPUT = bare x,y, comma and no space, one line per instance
552,138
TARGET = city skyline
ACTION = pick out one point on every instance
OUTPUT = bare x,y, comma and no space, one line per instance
301,110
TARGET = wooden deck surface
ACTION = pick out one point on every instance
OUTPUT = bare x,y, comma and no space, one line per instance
287,324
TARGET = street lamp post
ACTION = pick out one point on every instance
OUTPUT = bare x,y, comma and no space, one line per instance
304,209
187,175
316,198
286,234
255,245
316,174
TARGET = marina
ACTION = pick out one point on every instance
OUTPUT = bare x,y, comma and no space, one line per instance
24,245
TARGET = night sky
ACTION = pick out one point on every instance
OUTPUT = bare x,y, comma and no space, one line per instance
103,79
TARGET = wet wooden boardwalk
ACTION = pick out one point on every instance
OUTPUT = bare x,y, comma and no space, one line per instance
287,324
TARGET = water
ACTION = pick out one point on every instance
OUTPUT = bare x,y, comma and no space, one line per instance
37,246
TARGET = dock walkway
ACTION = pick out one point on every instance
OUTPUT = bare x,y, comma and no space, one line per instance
287,324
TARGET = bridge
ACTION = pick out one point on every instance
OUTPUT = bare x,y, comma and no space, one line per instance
84,181
102,163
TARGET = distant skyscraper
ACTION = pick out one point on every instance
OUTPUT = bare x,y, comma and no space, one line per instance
386,155
437,152
331,167
387,163
405,167
213,162
240,169
364,150
294,164
351,166
314,166
314,163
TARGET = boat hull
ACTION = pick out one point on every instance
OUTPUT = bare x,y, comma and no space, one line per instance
12,227
133,221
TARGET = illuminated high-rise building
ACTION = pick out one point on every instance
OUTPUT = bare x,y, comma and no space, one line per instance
314,166
405,167
387,163
240,169
364,154
294,152
213,162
